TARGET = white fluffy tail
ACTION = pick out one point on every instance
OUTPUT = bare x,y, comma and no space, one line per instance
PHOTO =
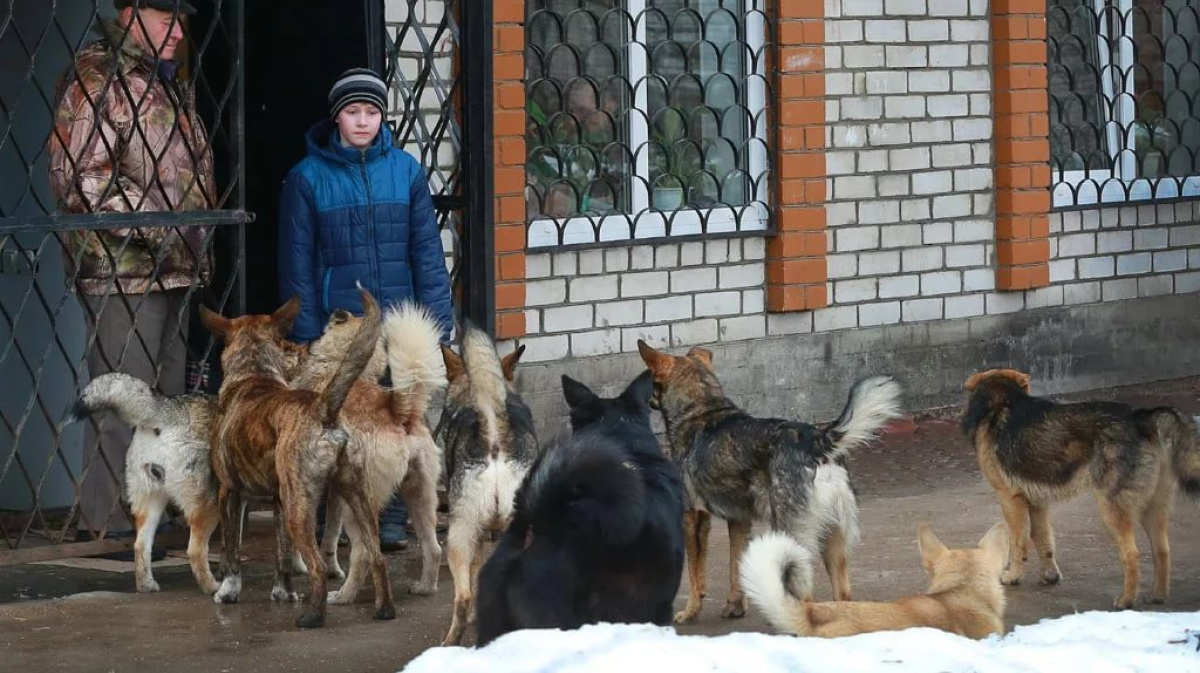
412,336
777,577
488,389
873,402
834,501
130,398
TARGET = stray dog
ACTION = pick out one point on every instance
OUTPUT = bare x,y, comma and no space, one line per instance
597,533
742,469
490,443
1034,452
964,594
168,461
274,442
390,445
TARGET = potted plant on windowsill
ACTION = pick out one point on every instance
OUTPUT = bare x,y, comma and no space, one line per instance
1152,143
667,183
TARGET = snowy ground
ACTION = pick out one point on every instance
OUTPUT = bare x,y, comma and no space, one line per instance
1095,642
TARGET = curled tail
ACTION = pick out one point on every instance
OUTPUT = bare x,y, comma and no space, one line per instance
358,355
130,398
413,336
777,577
587,488
873,402
488,389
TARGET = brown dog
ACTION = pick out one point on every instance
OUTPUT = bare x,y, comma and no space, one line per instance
743,469
282,444
1035,452
964,594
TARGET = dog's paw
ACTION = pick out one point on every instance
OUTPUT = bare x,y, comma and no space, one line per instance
1012,577
210,587
147,587
422,588
281,595
230,590
734,609
1124,602
336,598
311,620
386,612
335,573
686,616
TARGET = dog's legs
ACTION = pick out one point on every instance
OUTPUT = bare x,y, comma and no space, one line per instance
1016,512
202,522
366,518
229,503
1155,521
460,550
833,553
147,512
1120,525
739,538
333,530
1043,540
348,592
299,487
283,591
419,489
476,563
696,525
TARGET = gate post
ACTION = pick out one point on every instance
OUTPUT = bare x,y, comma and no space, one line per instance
478,241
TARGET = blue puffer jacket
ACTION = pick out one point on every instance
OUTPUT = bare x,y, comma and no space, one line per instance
351,216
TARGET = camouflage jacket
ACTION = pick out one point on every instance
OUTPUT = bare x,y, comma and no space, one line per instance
126,139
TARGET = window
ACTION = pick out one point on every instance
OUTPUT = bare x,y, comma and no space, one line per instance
646,119
1124,80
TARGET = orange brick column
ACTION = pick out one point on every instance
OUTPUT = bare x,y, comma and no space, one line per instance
508,71
796,267
1022,144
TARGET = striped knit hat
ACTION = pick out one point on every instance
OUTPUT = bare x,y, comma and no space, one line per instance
357,85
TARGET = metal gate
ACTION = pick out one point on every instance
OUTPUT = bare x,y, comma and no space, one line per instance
69,256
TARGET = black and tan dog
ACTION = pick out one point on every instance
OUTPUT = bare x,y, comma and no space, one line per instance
745,469
1035,452
283,444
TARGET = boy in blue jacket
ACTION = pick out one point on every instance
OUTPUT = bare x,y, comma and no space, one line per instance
358,210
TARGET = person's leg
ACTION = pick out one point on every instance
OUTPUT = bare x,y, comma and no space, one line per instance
392,521
127,335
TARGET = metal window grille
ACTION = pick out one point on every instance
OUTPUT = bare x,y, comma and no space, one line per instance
646,119
1124,78
147,203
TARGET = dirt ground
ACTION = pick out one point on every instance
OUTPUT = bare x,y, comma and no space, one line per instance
54,618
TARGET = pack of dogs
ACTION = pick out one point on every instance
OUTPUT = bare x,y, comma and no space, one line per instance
598,524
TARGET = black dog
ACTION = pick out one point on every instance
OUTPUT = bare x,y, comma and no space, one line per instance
597,532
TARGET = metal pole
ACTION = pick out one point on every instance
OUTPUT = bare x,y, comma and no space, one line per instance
477,183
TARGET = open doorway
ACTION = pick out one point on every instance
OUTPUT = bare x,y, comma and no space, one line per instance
294,52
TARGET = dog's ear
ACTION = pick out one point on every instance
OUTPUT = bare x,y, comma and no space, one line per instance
1022,380
658,362
284,316
508,363
704,355
995,542
577,394
215,323
454,363
639,391
931,548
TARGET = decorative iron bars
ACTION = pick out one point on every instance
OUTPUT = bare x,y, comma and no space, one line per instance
120,212
1124,79
424,38
646,119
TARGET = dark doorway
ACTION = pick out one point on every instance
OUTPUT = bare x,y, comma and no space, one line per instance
294,51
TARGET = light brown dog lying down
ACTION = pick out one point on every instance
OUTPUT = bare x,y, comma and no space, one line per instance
964,594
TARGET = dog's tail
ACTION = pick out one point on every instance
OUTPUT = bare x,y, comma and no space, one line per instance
777,577
587,488
358,355
412,336
873,402
130,398
1178,435
488,390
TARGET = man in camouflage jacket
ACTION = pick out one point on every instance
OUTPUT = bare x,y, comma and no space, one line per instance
127,139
